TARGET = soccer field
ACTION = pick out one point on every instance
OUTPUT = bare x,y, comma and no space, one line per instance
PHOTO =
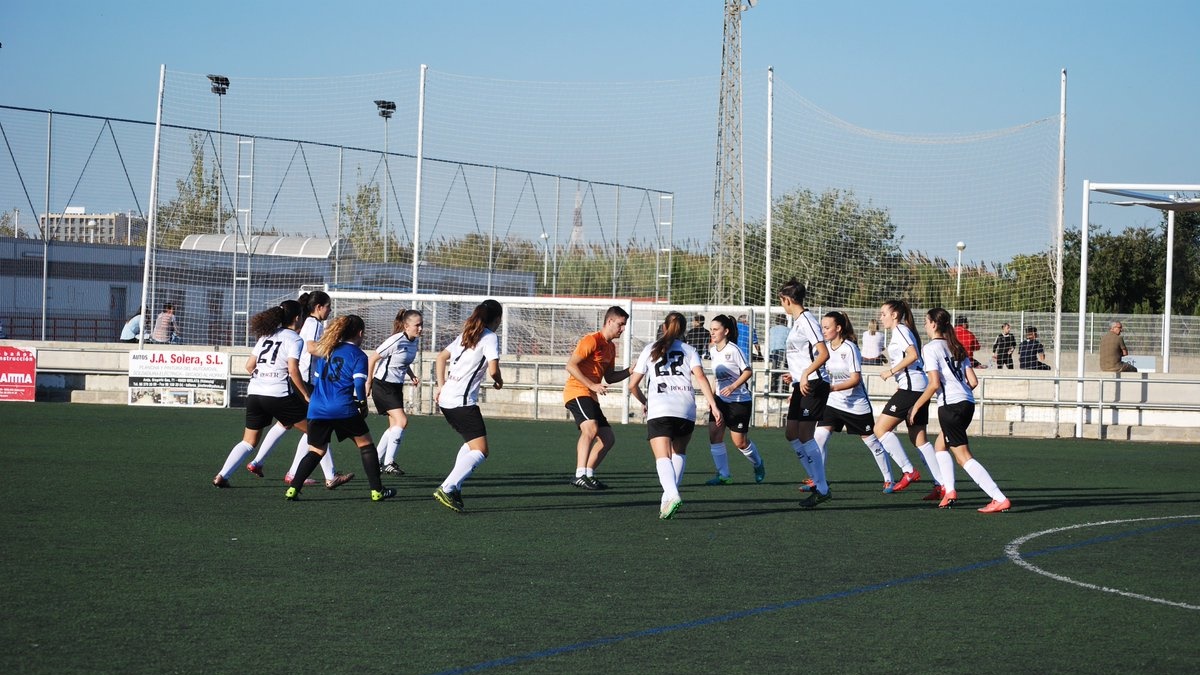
120,556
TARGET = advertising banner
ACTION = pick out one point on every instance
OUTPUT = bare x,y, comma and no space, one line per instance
179,378
18,373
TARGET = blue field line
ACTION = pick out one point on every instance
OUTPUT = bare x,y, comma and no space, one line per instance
791,604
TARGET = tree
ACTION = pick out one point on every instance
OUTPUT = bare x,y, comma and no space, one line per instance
7,219
195,208
847,253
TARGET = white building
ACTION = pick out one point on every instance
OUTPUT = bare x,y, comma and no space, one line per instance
76,224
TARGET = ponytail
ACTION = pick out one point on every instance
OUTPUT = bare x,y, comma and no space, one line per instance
673,329
485,314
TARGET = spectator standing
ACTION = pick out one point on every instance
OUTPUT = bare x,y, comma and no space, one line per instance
697,336
962,331
1113,350
1030,353
872,344
1003,347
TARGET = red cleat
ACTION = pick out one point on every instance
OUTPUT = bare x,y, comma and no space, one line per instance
908,479
255,469
996,507
948,499
936,495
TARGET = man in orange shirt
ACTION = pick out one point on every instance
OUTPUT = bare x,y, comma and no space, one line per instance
589,372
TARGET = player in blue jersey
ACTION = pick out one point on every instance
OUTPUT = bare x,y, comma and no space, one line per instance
339,403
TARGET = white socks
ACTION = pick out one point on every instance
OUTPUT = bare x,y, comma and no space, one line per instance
464,464
821,436
880,455
930,462
268,444
945,469
389,443
677,463
721,458
892,444
666,478
236,455
983,479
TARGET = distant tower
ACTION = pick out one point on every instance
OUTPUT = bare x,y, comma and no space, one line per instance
728,235
577,222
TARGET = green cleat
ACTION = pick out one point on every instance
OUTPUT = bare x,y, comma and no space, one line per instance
816,498
667,511
450,500
386,493
760,472
292,494
719,480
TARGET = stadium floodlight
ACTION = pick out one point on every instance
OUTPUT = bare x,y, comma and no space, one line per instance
220,84
386,108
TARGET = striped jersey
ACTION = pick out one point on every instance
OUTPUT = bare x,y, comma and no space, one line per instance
728,364
395,354
272,353
669,391
802,342
953,374
843,363
465,371
913,376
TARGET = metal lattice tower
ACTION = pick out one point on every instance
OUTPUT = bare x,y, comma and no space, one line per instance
728,235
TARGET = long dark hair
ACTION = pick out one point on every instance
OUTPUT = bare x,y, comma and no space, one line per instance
272,319
902,310
729,324
310,301
794,291
941,321
843,322
674,327
484,315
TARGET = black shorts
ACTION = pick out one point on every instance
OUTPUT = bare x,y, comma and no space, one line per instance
901,402
321,431
809,408
735,414
467,421
853,423
387,396
954,419
586,408
671,427
261,410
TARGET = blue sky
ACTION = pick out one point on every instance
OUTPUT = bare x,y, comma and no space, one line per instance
934,67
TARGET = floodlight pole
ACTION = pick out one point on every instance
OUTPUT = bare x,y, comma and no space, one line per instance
958,278
220,86
386,109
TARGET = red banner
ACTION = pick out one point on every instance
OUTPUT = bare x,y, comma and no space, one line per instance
18,373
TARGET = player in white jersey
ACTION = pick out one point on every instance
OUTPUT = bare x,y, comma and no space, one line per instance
275,390
390,367
806,357
908,372
731,372
668,365
952,378
848,406
460,370
316,307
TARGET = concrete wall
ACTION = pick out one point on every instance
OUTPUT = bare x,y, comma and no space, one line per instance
1136,406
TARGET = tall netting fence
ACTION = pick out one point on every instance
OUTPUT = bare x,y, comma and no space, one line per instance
534,189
